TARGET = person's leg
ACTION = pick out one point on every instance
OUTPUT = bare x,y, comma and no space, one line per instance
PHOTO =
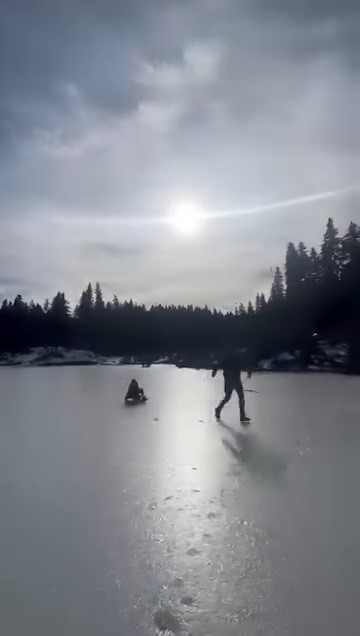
240,391
225,400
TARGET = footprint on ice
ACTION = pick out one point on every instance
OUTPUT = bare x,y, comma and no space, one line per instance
152,505
187,600
192,552
169,497
166,622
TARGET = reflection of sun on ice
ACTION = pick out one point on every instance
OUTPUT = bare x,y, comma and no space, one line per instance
186,218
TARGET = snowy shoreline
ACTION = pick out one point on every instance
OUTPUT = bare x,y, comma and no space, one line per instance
60,356
329,359
54,356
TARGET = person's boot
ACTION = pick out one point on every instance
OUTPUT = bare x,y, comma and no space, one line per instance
217,413
244,419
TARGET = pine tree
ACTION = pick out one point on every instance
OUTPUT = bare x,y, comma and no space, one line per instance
330,254
86,304
350,279
99,301
242,310
19,306
292,275
250,309
350,255
46,306
277,292
37,310
314,274
304,264
90,296
257,303
58,321
60,308
314,256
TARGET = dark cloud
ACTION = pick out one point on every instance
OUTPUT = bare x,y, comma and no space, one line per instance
46,48
317,28
308,9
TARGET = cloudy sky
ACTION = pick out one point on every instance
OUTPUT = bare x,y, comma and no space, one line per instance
112,112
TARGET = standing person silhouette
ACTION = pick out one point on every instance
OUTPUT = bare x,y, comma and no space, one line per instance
232,365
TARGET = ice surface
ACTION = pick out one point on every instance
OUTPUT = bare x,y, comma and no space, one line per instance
137,521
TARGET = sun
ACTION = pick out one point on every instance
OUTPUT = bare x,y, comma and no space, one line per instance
186,217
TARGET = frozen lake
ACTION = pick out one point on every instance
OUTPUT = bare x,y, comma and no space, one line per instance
132,521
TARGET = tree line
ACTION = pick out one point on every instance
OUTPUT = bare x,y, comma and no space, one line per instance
315,296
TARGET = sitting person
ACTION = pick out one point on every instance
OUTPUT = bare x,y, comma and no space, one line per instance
135,393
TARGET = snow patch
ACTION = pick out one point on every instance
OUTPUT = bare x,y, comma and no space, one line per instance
55,356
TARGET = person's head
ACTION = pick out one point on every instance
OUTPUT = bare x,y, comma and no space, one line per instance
134,384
